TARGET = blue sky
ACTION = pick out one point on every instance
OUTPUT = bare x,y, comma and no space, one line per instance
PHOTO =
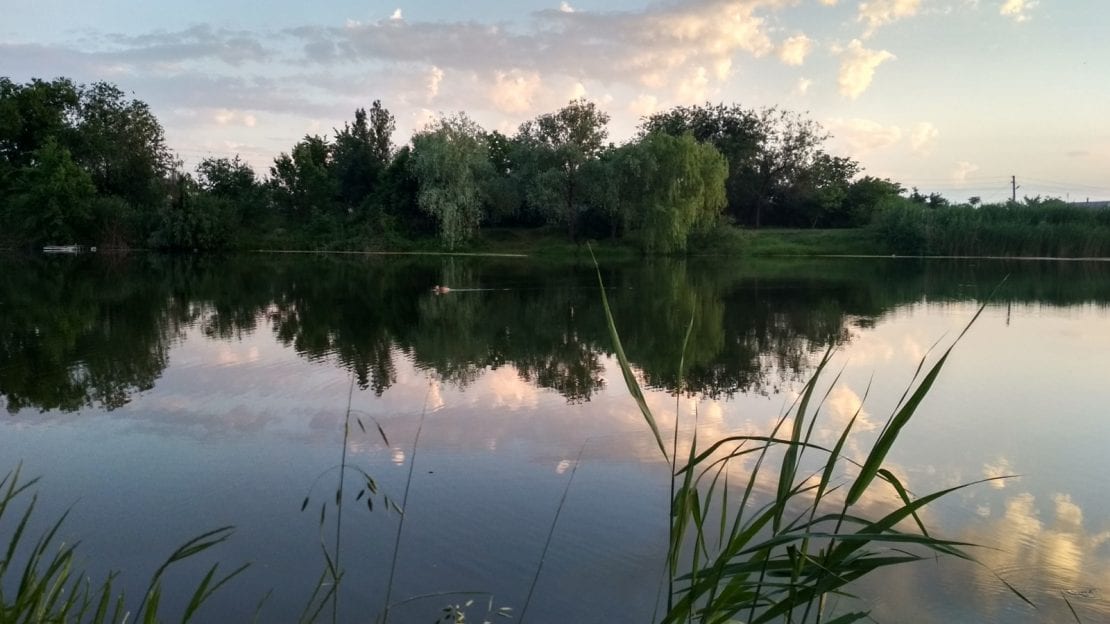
952,96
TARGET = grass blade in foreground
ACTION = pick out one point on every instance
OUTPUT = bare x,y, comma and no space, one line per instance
49,589
783,558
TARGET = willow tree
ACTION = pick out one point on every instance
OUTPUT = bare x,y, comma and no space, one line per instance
451,164
682,189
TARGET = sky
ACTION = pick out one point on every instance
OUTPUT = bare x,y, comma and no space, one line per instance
950,96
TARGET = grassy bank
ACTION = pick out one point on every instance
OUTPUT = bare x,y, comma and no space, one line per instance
723,241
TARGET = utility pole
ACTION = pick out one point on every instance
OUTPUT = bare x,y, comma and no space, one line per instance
1013,189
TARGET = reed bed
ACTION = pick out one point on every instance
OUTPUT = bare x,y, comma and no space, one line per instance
1047,229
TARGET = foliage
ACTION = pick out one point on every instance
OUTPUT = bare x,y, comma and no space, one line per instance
122,146
354,190
361,153
77,162
682,189
770,154
556,146
195,220
53,198
451,163
303,182
1036,227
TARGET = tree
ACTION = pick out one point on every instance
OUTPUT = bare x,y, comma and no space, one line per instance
682,189
820,192
558,145
735,131
122,146
233,182
53,198
230,178
361,153
868,194
31,115
767,151
194,219
451,163
302,181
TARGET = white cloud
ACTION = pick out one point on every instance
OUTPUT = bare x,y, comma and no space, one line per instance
963,169
794,50
694,87
565,7
435,77
922,137
803,86
422,118
643,105
397,15
228,117
857,68
996,470
828,2
1018,10
655,47
514,91
864,135
876,13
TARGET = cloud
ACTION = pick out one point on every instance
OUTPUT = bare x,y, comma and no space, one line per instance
226,117
857,68
202,41
794,50
435,77
864,135
963,169
876,13
513,92
828,2
694,87
803,86
922,137
397,15
1017,10
565,7
661,44
643,105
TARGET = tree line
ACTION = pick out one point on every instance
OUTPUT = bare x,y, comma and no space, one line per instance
88,164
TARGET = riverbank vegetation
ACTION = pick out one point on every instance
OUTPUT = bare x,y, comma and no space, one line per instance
86,164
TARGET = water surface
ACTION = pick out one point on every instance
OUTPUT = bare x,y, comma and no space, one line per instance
162,396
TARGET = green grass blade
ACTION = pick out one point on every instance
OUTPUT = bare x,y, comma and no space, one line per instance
626,368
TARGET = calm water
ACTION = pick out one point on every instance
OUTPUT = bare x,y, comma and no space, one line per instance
161,397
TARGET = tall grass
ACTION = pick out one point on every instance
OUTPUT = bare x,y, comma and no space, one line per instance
734,556
1038,229
39,582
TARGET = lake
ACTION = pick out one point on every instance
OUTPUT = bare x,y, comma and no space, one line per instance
160,397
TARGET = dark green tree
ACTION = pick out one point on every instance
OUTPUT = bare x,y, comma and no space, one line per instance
558,145
122,146
53,199
302,181
361,152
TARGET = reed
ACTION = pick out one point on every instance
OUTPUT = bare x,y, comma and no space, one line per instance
39,582
1035,229
734,557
